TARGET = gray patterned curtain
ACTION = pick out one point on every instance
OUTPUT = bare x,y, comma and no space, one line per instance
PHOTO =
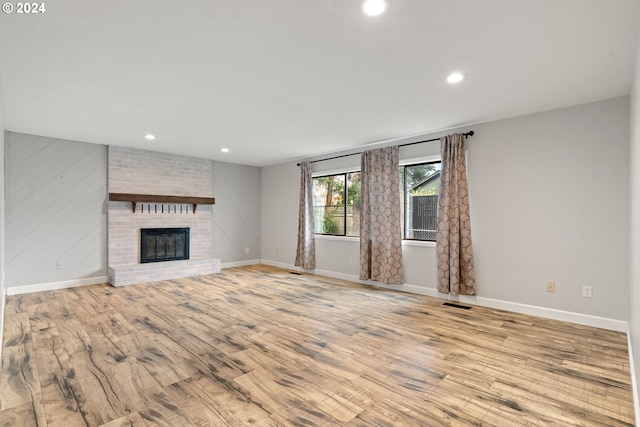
453,237
306,252
380,217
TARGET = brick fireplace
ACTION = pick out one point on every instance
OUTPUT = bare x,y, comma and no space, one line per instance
147,172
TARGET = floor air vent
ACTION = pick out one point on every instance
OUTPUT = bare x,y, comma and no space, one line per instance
450,304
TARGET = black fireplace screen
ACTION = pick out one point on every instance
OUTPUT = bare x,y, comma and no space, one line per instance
164,244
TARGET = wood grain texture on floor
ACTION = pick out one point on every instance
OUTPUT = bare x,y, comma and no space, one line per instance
258,346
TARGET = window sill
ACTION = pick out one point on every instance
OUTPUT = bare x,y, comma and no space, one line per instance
422,243
337,238
419,243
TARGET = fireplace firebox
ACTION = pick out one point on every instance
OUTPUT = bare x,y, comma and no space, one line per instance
164,244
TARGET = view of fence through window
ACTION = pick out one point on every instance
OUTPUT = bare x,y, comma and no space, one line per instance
421,187
336,202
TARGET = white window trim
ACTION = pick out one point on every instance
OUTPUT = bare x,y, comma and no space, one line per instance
337,238
403,162
417,161
423,159
333,172
419,243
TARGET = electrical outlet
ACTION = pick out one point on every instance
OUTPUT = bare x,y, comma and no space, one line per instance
276,251
60,265
350,260
551,286
587,291
246,250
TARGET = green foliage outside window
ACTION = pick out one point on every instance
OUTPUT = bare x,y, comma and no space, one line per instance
332,215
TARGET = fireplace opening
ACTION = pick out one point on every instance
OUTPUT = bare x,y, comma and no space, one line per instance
164,244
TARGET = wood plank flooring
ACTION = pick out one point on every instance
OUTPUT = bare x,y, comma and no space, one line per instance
260,346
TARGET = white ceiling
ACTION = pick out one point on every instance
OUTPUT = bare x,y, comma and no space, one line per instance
277,80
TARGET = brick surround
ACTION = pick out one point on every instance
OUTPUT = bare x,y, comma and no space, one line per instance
147,172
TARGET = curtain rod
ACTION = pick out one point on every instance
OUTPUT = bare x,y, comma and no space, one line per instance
466,135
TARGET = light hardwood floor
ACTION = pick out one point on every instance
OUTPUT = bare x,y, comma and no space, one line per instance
262,346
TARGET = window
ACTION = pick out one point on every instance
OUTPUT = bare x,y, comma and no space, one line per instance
336,203
421,184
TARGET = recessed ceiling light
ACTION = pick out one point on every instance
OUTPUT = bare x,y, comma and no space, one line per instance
374,7
224,150
455,77
149,136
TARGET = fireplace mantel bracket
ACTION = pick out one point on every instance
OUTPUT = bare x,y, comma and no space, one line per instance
151,198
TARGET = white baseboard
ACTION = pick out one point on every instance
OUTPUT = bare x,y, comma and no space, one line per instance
634,383
284,265
239,263
2,309
548,313
25,289
52,286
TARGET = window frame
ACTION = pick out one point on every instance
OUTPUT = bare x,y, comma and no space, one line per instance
345,198
403,166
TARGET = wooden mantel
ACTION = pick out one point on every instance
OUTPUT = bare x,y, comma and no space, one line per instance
150,198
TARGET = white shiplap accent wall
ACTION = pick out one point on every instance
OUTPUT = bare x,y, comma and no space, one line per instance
56,193
236,215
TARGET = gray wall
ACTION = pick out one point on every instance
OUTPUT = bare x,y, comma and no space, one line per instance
280,188
236,214
55,210
634,322
2,227
549,202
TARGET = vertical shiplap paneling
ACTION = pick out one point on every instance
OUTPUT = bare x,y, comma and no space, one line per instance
55,210
236,214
